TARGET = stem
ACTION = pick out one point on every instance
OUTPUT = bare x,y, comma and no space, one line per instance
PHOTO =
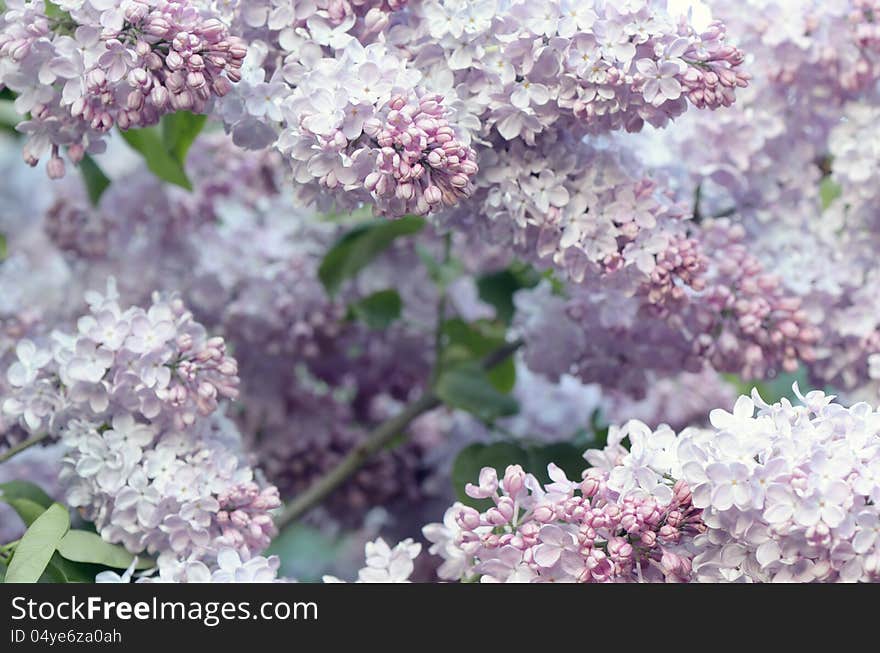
698,195
378,438
441,311
21,446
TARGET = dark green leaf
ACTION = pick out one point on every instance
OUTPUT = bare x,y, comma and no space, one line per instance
27,499
148,142
24,490
468,388
60,570
566,456
360,246
179,131
471,342
83,546
37,545
3,251
498,288
26,509
378,310
9,117
473,458
600,430
2,571
95,179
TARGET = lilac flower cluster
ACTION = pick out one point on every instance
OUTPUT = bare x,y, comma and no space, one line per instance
158,363
577,208
788,494
132,395
489,72
734,316
354,124
385,564
567,531
595,67
81,67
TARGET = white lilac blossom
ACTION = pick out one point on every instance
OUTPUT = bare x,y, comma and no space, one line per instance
81,67
229,567
522,66
132,396
385,564
788,493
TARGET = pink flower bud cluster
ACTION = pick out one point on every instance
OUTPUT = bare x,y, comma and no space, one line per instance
373,138
245,516
712,78
725,310
124,64
183,59
680,264
573,532
420,166
749,322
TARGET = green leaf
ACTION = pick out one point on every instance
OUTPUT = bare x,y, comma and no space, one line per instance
470,460
379,310
356,249
148,142
95,179
60,570
37,545
179,132
468,387
54,11
829,191
27,499
83,546
3,251
599,428
2,572
28,510
466,342
24,490
498,288
566,456
443,273
9,117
